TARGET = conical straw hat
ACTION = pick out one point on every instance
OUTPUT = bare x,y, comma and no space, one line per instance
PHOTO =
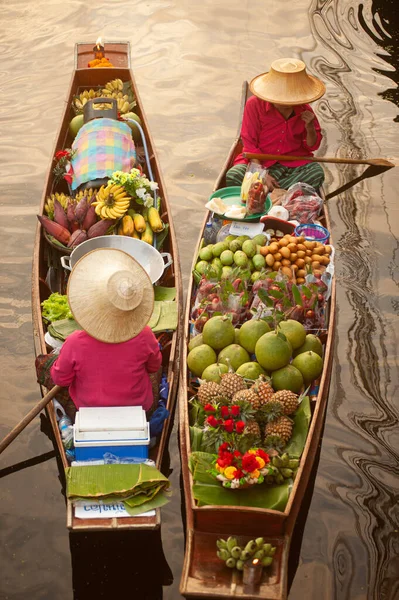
287,83
110,295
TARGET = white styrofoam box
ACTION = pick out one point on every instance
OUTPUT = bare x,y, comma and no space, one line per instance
110,424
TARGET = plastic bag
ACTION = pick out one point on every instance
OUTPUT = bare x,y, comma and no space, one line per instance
302,202
254,189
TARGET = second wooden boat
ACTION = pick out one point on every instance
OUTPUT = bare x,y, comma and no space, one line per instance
48,275
204,574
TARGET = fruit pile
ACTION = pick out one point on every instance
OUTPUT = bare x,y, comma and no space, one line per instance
112,89
235,555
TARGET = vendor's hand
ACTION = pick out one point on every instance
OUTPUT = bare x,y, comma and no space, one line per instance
271,183
308,117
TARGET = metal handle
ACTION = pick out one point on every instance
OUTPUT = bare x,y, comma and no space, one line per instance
66,262
168,258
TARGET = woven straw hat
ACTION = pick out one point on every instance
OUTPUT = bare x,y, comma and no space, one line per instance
287,83
110,295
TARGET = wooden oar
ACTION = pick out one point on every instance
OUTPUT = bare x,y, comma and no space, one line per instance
378,162
28,418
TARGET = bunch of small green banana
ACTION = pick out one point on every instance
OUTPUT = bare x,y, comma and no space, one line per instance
80,100
235,556
282,467
115,85
49,204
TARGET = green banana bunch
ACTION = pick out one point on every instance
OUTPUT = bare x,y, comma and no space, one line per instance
235,555
282,467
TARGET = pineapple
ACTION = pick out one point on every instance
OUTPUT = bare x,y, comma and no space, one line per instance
248,396
252,428
288,399
209,391
263,388
231,383
272,410
280,428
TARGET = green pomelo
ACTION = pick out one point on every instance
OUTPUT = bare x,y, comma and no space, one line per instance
234,355
287,378
250,333
215,272
235,245
310,365
218,332
227,257
240,258
219,248
216,262
249,248
259,240
135,130
230,238
195,341
259,262
273,351
226,272
236,336
313,343
255,276
201,266
251,370
294,331
214,372
200,358
206,253
75,125
242,238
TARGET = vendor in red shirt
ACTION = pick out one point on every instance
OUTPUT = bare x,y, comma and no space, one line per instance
109,362
278,120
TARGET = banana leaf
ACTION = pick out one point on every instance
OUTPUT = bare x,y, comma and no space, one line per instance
300,430
159,500
196,434
164,293
119,482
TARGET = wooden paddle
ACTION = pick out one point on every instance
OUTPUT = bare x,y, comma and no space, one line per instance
378,162
28,418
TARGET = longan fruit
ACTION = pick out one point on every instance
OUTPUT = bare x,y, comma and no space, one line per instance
285,252
264,250
307,260
301,273
274,247
315,265
283,242
293,257
292,247
301,254
287,271
276,265
286,262
278,256
300,263
300,280
328,249
270,260
301,247
308,252
316,257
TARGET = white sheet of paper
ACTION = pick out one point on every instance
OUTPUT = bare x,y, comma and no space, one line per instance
99,510
244,228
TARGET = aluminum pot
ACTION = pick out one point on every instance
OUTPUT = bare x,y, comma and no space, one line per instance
150,259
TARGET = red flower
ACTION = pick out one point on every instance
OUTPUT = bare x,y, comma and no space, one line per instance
237,453
240,426
229,425
249,463
212,421
263,455
235,410
225,460
61,154
238,474
223,447
209,408
220,421
224,411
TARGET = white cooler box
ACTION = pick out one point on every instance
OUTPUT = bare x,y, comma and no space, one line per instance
122,431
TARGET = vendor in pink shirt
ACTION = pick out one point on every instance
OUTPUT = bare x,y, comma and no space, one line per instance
109,363
278,120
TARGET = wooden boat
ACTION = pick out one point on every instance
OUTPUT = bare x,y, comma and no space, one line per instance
204,575
43,284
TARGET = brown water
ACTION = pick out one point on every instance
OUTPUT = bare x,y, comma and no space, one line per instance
190,59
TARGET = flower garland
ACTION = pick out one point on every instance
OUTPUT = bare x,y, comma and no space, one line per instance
136,185
224,418
63,168
236,470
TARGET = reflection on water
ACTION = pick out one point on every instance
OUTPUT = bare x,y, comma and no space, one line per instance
190,60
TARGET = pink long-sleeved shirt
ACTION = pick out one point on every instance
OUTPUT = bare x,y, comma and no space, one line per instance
265,131
100,374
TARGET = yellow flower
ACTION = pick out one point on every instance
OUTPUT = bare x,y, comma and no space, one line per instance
260,462
230,472
219,468
255,474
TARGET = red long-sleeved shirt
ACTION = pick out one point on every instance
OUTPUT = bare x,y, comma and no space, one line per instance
100,374
264,130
